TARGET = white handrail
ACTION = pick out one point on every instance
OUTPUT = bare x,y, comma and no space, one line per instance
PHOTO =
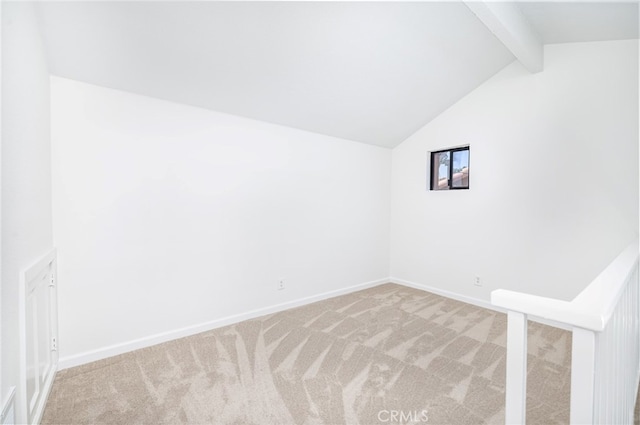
591,309
605,321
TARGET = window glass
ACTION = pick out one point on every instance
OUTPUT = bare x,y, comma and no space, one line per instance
441,165
460,169
450,169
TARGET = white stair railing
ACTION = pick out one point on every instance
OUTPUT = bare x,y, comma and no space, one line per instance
38,347
605,363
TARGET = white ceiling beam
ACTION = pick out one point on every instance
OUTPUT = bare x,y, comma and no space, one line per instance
508,24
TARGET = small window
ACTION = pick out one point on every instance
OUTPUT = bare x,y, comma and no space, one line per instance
450,169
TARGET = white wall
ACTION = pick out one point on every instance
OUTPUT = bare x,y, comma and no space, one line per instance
26,166
554,178
168,216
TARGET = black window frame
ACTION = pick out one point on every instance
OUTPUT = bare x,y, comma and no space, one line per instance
450,176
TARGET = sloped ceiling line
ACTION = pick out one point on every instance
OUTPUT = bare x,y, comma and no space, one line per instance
372,72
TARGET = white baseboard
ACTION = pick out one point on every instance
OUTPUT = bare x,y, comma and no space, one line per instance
473,301
444,293
116,349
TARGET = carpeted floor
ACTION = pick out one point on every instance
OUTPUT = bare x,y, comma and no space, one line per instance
388,354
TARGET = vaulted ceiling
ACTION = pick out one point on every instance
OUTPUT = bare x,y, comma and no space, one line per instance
369,72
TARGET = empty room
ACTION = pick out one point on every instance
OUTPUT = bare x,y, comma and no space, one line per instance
319,212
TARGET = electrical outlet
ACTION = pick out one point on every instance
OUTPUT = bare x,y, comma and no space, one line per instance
281,285
478,282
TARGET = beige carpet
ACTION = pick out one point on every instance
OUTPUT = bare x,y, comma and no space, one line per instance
353,359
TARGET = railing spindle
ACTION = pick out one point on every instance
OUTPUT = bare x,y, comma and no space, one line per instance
516,384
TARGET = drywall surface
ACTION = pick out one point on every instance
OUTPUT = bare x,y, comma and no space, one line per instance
26,168
356,70
168,216
553,192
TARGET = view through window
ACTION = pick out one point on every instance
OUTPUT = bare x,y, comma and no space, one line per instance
450,169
